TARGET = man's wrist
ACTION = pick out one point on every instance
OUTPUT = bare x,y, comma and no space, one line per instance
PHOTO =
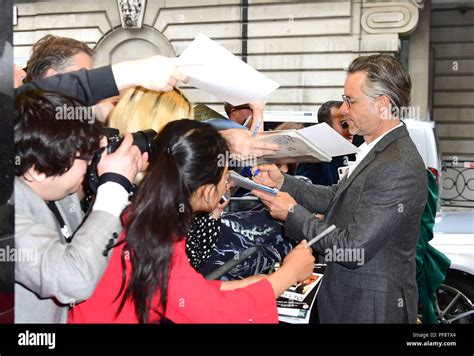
121,75
279,185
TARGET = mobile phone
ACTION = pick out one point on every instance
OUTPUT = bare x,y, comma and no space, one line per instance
224,198
342,171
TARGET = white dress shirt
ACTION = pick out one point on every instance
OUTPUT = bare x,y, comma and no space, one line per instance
111,198
365,148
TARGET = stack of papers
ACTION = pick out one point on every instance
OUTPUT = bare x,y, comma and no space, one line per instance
212,68
317,143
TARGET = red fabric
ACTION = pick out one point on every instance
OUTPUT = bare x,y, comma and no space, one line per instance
191,298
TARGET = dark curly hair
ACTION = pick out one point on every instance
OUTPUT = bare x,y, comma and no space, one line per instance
53,52
51,131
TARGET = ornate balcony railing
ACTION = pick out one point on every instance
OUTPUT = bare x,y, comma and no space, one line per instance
458,184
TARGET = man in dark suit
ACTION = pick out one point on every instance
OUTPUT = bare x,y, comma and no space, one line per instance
376,207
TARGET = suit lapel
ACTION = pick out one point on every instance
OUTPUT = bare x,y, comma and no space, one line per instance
380,146
348,180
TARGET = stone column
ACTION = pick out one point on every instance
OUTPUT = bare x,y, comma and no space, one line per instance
418,59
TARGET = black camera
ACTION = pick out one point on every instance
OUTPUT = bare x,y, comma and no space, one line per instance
143,139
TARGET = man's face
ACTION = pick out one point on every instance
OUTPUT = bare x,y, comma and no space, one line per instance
58,187
361,115
337,123
240,115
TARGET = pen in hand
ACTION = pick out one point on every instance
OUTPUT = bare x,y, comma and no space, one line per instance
254,133
257,126
321,235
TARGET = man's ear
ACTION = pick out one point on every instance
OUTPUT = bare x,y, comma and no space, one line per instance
385,107
50,72
32,175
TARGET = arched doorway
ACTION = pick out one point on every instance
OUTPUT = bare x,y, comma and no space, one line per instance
122,44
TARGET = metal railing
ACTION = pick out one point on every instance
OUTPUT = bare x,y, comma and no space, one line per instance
458,184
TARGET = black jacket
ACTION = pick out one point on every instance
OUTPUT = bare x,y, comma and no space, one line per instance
88,86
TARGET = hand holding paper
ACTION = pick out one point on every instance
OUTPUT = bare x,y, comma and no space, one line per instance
279,205
268,174
246,183
155,73
243,146
311,144
212,68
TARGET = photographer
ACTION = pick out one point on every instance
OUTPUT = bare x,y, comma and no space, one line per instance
64,256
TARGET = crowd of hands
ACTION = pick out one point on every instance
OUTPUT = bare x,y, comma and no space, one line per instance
128,160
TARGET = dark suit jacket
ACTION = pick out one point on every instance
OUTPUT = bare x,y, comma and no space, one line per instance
88,86
377,213
322,173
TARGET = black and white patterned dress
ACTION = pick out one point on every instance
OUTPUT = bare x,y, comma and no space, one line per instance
201,239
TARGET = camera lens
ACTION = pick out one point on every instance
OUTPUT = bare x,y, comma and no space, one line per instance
144,140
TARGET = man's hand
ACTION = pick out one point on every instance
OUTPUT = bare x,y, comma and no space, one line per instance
155,73
278,205
258,105
269,175
127,160
243,146
257,115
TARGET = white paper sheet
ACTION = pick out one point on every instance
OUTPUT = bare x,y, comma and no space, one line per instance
212,68
328,139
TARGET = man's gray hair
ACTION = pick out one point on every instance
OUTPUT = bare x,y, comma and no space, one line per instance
385,76
53,52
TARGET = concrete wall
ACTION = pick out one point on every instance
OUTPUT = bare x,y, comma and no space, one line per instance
303,45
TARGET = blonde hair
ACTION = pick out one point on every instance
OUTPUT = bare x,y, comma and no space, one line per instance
142,109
